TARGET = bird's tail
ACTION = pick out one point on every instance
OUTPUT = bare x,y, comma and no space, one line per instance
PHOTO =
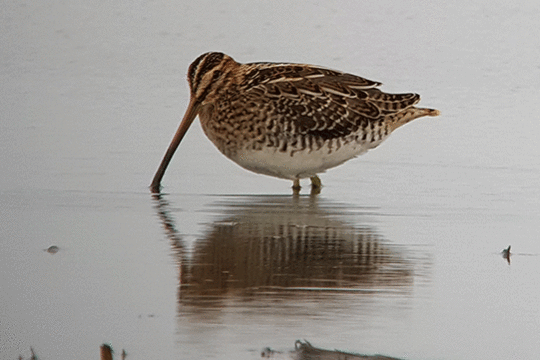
409,115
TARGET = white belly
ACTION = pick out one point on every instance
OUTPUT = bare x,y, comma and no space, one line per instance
301,164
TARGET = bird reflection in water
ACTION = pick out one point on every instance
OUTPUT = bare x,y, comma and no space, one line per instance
291,246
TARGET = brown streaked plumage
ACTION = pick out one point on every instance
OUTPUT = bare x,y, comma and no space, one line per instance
290,121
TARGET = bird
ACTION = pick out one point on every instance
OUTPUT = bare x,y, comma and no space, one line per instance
288,120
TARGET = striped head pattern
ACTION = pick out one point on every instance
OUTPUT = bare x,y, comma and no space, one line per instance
208,74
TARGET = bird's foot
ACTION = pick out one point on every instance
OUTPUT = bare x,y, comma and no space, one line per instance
316,185
296,186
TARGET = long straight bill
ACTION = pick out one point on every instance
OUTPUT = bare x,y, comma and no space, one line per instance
189,116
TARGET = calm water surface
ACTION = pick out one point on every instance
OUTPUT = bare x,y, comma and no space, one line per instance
399,254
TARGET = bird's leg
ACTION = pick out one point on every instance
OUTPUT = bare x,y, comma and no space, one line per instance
316,183
296,186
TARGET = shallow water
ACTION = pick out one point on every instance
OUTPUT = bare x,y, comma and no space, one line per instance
399,254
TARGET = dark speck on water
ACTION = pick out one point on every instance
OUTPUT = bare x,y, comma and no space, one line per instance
52,249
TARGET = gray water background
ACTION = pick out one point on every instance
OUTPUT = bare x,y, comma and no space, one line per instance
90,96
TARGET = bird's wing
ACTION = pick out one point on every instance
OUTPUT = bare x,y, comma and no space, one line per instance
302,99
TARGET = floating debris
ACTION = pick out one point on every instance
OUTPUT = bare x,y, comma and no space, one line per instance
506,254
306,351
107,352
33,357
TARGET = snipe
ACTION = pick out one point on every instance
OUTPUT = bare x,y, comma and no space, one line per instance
291,121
